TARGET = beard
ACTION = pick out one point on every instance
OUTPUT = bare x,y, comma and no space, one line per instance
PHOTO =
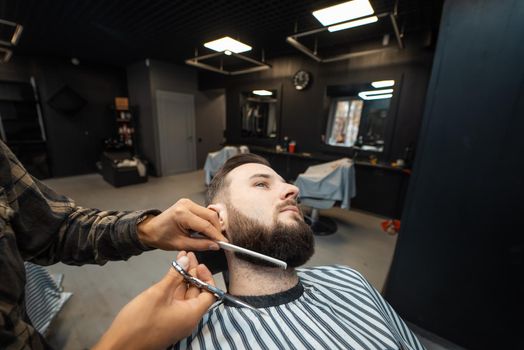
292,243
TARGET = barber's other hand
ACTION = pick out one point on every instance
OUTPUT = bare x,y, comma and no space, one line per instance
170,229
163,314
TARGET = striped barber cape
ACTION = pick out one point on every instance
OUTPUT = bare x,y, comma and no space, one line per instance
332,307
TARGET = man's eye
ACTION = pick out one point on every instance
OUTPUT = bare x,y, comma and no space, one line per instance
261,184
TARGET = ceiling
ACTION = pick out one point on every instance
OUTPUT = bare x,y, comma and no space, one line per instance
123,31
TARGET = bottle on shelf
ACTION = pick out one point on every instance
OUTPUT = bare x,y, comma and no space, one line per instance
285,146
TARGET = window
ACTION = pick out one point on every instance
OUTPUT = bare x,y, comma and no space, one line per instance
345,120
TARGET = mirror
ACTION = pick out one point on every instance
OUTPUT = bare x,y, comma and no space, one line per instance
259,113
358,114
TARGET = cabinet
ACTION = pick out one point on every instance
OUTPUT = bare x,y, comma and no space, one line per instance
381,189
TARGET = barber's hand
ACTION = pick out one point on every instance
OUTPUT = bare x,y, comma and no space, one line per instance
163,314
170,229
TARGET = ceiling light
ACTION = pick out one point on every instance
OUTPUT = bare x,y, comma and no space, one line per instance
344,12
16,32
376,97
262,92
227,44
355,23
227,52
383,83
6,55
376,94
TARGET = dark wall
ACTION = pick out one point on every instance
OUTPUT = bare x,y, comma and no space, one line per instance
141,96
304,113
173,77
144,79
458,269
75,142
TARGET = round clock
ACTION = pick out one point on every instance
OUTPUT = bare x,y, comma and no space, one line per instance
301,79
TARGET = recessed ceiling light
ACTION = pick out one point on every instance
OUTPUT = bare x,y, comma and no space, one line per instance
383,83
262,92
355,23
227,44
227,52
376,94
376,97
344,12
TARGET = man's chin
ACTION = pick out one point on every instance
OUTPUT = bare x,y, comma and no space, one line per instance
291,222
290,216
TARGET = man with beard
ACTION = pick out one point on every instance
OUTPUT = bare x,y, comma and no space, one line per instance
328,307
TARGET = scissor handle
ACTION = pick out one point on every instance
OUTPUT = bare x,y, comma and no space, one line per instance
197,282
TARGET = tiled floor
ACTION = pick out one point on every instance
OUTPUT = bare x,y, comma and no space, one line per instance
100,292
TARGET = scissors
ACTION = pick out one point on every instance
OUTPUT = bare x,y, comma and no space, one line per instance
219,293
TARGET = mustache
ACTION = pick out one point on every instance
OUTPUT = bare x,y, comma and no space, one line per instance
287,203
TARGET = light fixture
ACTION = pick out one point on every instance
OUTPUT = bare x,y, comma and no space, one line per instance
227,44
262,92
17,31
352,24
343,16
377,97
197,61
383,83
376,94
6,55
344,12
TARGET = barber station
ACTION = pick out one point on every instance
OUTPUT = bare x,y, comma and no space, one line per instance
261,174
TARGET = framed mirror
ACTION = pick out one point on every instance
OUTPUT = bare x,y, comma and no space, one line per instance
260,114
358,115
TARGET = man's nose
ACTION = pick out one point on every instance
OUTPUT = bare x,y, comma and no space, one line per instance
290,191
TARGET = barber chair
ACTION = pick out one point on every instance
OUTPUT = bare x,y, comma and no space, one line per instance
321,187
215,160
321,225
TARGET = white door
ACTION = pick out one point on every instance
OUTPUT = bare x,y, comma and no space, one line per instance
176,131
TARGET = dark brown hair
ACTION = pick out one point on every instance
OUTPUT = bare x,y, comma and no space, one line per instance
219,180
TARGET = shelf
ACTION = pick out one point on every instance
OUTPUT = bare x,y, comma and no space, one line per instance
26,102
382,166
25,142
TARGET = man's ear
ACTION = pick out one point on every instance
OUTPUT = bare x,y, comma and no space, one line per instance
221,210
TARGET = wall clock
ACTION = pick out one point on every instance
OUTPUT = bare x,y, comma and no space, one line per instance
301,79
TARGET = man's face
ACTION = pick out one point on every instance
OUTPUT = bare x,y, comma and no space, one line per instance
262,215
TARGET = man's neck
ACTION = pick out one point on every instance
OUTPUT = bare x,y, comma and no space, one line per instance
247,279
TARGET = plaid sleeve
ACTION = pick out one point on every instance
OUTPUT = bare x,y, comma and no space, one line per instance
49,227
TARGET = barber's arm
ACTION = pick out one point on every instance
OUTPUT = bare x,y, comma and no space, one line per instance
163,314
41,226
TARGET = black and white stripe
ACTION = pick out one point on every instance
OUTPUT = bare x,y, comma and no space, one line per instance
43,297
338,309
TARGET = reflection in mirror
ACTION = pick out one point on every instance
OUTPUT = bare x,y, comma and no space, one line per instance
258,109
358,113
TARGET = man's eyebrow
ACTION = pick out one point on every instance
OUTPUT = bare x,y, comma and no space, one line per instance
265,176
